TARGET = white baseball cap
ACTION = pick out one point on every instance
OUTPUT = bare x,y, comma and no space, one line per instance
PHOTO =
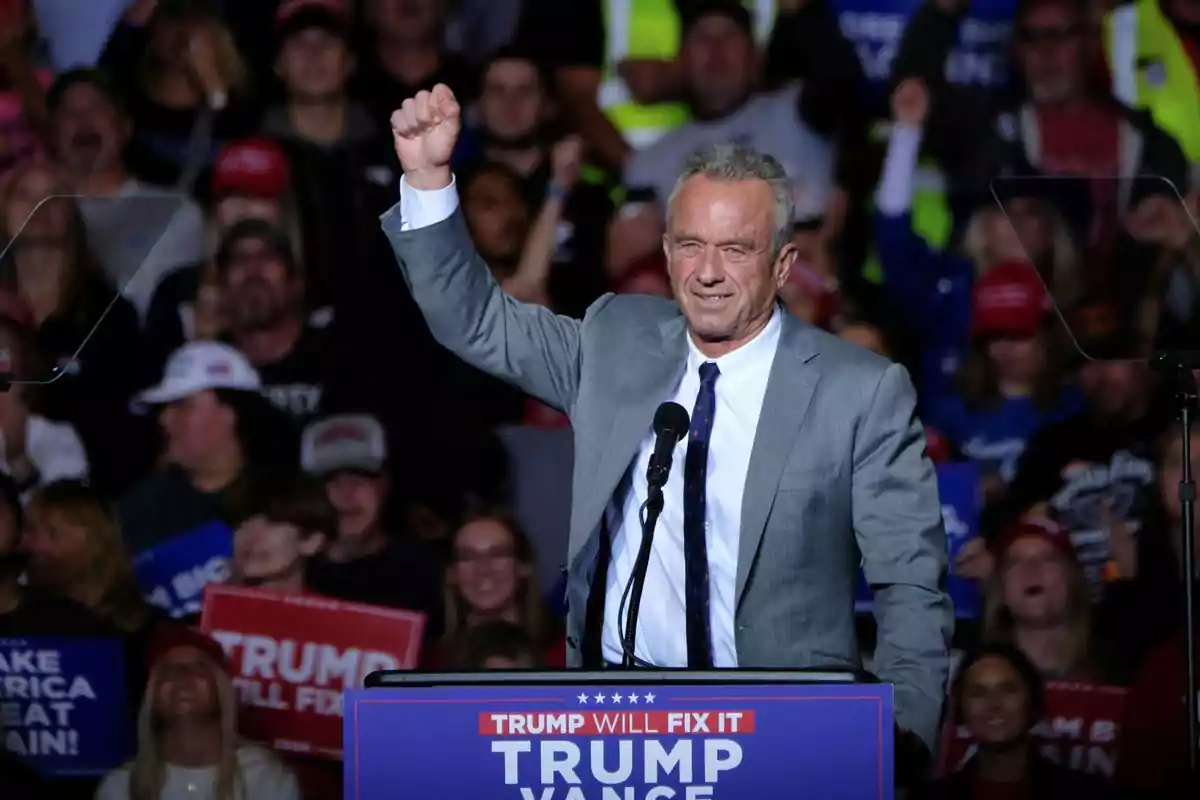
198,366
350,442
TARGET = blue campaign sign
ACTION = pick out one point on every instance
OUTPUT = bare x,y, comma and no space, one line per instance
958,488
652,741
980,54
63,704
174,574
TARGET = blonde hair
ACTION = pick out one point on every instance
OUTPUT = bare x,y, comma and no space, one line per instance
999,626
109,577
231,67
533,618
1063,267
148,770
81,262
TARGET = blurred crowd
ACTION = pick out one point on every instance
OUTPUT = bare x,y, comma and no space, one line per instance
201,321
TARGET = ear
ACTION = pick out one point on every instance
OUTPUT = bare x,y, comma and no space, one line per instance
783,264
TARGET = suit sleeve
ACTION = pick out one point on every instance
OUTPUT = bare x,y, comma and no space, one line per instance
467,312
898,525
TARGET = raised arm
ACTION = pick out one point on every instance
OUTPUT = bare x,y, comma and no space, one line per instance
466,310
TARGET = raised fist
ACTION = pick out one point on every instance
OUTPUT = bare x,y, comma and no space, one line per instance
566,159
910,102
425,130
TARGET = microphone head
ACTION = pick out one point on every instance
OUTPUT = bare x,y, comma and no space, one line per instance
671,419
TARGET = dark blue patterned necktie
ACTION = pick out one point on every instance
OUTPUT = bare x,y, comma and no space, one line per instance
695,515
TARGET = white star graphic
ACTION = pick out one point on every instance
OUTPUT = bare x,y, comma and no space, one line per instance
633,698
649,698
616,698
583,698
599,699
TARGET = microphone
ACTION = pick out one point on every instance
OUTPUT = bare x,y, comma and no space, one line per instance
671,423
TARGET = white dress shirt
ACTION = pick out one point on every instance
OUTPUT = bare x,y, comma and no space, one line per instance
740,389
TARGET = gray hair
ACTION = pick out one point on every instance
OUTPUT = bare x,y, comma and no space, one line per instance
727,162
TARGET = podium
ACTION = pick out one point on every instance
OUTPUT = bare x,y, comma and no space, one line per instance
619,735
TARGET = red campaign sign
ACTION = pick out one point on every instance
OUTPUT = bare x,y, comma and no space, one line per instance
291,657
1081,730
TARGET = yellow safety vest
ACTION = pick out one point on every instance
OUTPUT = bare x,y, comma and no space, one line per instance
1151,70
650,29
931,216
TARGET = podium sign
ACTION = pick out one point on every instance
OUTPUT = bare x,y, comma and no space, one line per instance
621,741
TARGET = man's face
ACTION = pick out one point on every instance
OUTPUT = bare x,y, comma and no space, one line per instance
89,132
718,246
719,64
314,65
1113,388
358,499
1051,45
405,20
511,103
259,287
194,428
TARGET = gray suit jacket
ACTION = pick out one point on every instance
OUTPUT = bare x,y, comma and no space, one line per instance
838,465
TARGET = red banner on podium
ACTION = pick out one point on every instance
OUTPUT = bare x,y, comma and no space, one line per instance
1081,730
293,655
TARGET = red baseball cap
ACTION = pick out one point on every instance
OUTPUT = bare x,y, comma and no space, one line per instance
171,636
1042,528
297,15
252,167
1008,299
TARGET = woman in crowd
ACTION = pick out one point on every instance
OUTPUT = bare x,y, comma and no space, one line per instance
1037,600
492,577
74,547
188,88
36,450
1011,384
998,697
49,267
187,744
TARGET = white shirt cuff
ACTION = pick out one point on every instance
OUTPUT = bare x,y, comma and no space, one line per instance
422,208
899,170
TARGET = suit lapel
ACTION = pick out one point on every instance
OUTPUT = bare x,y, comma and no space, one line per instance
790,389
651,378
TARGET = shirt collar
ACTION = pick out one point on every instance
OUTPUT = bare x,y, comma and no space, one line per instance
743,358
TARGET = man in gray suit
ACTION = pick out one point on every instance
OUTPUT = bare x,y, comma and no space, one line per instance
804,450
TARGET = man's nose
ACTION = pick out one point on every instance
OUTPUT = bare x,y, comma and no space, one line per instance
712,269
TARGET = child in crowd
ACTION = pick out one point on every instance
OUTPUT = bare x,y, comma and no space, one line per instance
188,745
286,525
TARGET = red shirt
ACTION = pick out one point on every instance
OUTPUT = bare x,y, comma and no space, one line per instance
1086,141
1153,753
